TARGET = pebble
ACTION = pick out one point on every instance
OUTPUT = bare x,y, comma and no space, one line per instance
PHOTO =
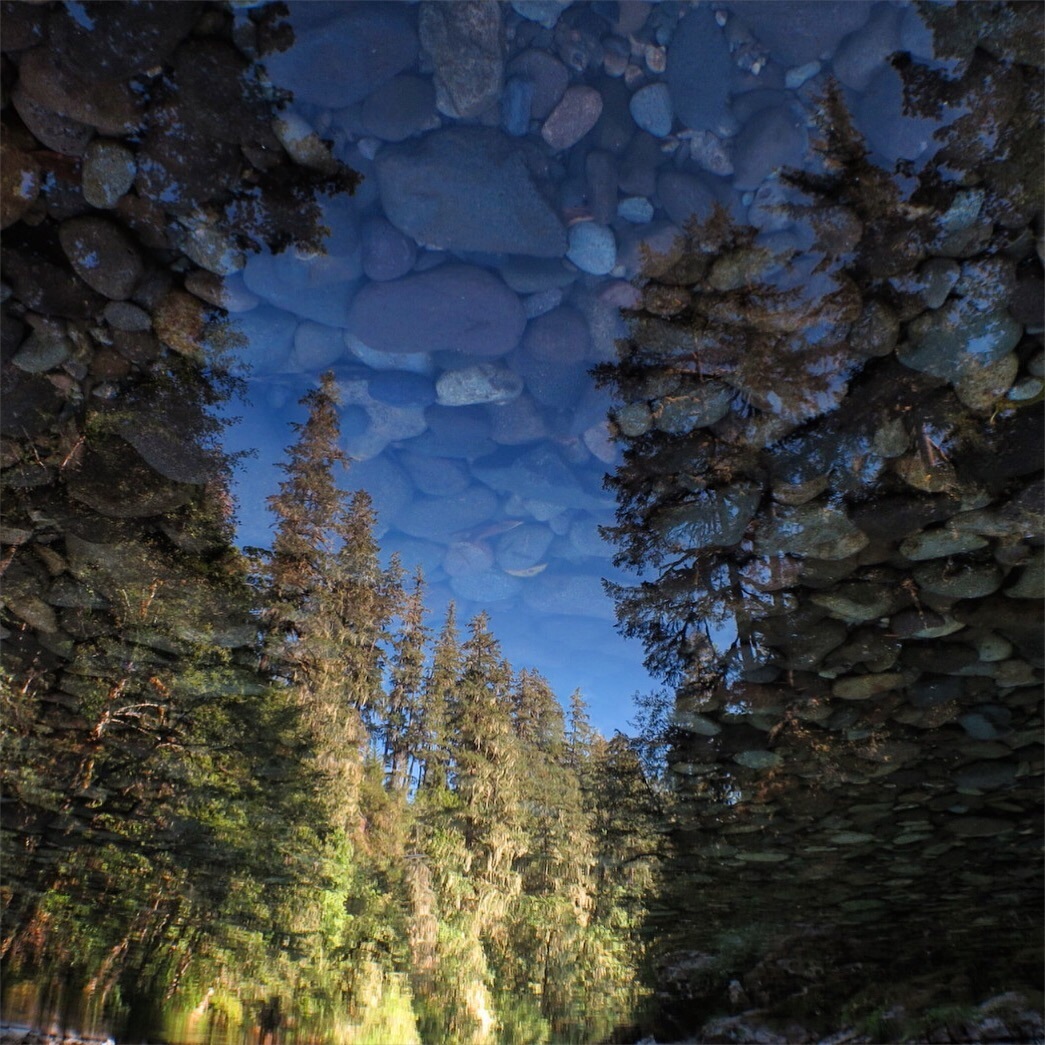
572,118
458,308
19,184
401,109
546,75
699,71
383,43
465,47
481,383
636,209
652,110
592,248
386,252
102,255
495,206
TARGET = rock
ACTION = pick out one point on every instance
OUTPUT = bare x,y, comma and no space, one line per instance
806,30
714,519
481,383
110,108
211,245
863,687
547,77
1031,582
485,587
494,206
465,43
402,388
957,339
523,547
551,358
981,388
651,108
699,71
387,253
541,304
262,339
317,69
860,601
102,255
117,41
758,759
958,581
52,129
862,53
387,485
19,184
821,530
708,403
684,197
592,248
319,288
316,346
636,209
434,475
302,144
402,108
440,518
539,474
467,557
570,120
455,431
517,422
578,595
544,12
890,126
986,721
115,481
940,543
876,331
456,308
47,347
773,138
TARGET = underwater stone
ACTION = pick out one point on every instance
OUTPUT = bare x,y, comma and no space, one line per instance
717,519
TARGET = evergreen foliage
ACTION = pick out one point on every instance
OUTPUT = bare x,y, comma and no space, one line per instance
364,836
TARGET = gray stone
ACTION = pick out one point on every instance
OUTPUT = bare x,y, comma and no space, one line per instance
467,557
488,587
481,383
684,197
861,54
52,129
108,172
538,474
544,12
937,544
102,255
758,759
652,110
773,138
547,76
387,253
517,422
981,387
577,112
821,530
47,347
592,248
636,209
318,70
986,721
316,346
465,43
402,108
455,431
523,547
541,304
698,71
517,106
435,475
402,388
860,601
715,519
891,127
318,288
580,595
493,207
442,518
805,30
985,776
262,339
707,403
958,581
456,308
1031,582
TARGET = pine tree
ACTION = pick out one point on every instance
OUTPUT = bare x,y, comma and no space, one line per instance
404,741
439,695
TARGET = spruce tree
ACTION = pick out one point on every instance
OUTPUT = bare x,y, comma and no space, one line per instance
404,739
438,700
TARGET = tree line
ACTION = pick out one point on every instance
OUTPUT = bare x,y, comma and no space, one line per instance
355,827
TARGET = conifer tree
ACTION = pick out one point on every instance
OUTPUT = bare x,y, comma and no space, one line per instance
404,733
438,699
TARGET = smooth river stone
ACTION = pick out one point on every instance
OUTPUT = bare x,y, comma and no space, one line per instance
456,308
699,69
317,68
493,206
803,30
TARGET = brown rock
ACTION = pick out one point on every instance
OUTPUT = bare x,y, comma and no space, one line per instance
19,183
102,256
